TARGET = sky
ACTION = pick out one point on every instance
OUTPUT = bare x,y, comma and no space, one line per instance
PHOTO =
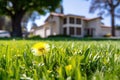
77,7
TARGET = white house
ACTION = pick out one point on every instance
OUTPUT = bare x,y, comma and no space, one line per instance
73,25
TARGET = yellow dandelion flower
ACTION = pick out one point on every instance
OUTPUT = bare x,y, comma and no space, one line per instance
49,71
40,48
68,67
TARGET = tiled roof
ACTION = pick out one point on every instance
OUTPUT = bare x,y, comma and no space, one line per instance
82,17
104,26
57,14
75,15
54,14
89,19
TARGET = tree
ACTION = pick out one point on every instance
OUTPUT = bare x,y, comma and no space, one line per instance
60,9
109,6
30,17
16,9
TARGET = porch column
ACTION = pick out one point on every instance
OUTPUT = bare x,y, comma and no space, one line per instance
68,31
82,31
68,28
75,31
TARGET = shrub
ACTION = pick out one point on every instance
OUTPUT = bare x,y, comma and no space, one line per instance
34,37
107,35
58,36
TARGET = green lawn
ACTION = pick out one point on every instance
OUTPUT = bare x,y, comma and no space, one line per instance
68,59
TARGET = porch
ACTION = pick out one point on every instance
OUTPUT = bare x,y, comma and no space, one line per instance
73,31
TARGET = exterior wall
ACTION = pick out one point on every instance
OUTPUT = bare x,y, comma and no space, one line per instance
61,25
105,31
85,25
40,32
52,27
118,33
47,32
47,29
58,25
96,25
68,25
54,30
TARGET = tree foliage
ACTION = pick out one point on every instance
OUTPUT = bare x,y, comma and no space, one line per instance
16,9
111,7
5,23
2,22
30,17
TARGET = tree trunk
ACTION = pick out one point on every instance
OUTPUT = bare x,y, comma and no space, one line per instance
16,24
113,22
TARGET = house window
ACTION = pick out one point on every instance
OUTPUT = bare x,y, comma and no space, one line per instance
78,30
71,20
65,31
78,21
64,21
71,30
